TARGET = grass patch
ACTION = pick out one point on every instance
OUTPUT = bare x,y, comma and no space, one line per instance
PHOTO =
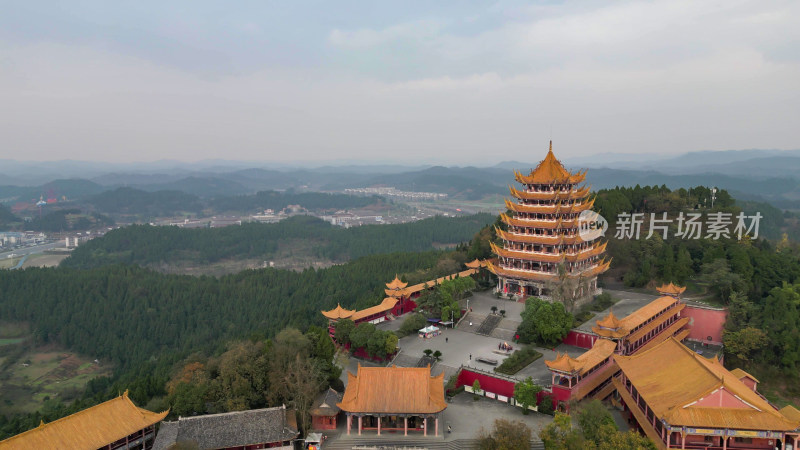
582,317
518,360
600,303
10,341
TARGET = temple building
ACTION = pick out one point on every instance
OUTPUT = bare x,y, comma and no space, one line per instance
681,399
325,414
114,424
399,299
543,234
589,375
240,430
394,399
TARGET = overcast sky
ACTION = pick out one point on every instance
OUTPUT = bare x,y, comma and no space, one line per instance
408,81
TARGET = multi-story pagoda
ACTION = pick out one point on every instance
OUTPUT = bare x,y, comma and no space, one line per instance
543,234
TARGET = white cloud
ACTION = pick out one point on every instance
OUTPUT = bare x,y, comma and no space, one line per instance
653,77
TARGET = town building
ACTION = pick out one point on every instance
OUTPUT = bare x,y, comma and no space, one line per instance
241,430
681,399
394,399
544,234
115,424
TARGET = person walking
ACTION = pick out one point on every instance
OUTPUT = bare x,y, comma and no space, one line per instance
445,340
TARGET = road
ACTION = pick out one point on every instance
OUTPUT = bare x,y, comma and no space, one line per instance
31,250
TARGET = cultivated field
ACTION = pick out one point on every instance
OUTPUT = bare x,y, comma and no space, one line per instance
30,375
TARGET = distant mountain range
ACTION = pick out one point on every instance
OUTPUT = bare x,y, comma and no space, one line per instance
770,175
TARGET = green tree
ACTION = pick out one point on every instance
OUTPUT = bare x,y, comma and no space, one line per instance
506,435
476,389
591,417
361,335
609,438
391,343
342,330
744,342
525,393
427,352
544,322
437,354
560,435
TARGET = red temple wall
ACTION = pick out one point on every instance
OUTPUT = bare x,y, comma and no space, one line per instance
488,383
705,323
749,383
404,307
561,393
580,339
323,422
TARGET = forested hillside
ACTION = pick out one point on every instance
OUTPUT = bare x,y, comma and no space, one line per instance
7,218
147,245
144,322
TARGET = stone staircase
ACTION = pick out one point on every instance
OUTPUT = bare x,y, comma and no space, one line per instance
407,443
489,324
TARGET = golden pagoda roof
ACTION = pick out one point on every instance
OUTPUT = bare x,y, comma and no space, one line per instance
549,209
588,253
601,267
676,392
600,351
512,221
573,193
476,264
535,239
610,321
396,284
671,289
91,428
519,254
338,313
407,291
550,170
398,390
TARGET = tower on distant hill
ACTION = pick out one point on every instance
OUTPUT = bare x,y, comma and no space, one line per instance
544,248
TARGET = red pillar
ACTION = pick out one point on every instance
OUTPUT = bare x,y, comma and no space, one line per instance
425,426
359,425
405,426
349,422
436,429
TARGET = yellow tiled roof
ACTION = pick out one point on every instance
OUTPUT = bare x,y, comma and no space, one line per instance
550,170
610,321
387,304
684,378
396,283
89,429
791,413
671,289
647,311
526,195
476,264
394,390
338,313
602,349
739,373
